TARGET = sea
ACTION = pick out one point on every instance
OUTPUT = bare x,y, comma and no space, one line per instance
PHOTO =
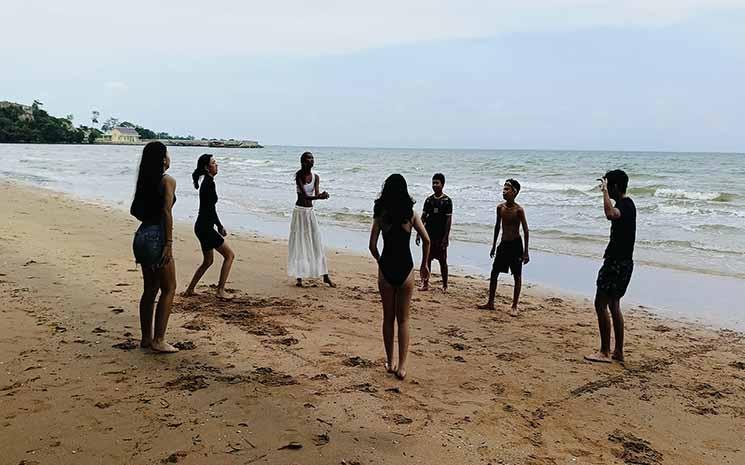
690,249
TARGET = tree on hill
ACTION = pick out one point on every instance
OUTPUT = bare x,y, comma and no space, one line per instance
17,125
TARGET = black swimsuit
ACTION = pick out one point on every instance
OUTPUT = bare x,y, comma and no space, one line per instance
207,219
395,261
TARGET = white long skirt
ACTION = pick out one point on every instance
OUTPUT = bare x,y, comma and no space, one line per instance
306,257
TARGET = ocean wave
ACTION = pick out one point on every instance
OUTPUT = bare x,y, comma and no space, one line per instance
348,216
249,161
724,228
569,188
687,245
681,194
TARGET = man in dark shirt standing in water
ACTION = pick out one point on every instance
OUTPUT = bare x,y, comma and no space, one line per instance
618,264
438,218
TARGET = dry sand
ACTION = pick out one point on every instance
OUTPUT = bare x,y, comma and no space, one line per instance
285,375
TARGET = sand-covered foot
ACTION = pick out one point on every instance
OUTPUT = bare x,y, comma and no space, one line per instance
299,283
445,289
223,295
514,312
618,357
163,347
328,282
390,367
486,306
188,293
425,287
401,374
598,357
146,343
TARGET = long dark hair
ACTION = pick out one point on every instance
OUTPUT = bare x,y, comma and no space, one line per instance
395,205
202,163
147,203
301,172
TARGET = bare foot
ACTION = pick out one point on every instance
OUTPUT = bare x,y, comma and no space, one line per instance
222,295
486,306
299,283
445,289
514,312
328,281
390,367
618,357
163,347
425,287
598,357
401,374
188,293
146,343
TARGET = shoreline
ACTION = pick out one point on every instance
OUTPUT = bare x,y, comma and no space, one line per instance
679,294
303,367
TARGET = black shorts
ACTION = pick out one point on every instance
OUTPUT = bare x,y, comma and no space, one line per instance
614,277
437,251
208,238
509,257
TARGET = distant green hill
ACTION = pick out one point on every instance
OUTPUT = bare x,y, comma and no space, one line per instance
30,124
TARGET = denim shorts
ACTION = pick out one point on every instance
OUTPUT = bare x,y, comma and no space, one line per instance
148,244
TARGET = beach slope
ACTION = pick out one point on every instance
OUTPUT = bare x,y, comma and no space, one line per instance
288,375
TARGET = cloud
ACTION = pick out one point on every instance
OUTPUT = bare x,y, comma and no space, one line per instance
230,27
115,86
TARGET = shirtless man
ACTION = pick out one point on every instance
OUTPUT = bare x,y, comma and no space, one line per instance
510,255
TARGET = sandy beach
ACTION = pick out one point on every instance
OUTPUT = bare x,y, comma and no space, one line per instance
286,375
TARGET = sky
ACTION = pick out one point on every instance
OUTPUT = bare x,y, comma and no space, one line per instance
554,74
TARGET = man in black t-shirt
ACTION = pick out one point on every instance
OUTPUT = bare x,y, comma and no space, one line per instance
615,274
437,218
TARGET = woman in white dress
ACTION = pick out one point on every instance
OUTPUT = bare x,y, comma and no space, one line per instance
306,257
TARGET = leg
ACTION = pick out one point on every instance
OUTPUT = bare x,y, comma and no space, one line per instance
227,263
207,259
403,300
516,294
489,305
327,280
444,270
151,280
425,282
615,311
163,310
601,308
388,296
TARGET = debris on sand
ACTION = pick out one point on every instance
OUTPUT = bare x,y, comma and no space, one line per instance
269,377
321,439
357,361
126,345
189,383
185,345
636,451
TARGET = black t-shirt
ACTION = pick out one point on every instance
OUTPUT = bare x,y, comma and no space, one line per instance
436,212
623,232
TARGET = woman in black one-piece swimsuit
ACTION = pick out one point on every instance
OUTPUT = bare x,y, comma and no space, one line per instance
394,216
204,228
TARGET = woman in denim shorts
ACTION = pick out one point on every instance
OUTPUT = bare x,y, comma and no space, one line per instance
153,201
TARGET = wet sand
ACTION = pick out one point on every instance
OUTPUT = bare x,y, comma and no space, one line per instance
288,375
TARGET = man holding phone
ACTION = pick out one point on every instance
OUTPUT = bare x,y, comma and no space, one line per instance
615,274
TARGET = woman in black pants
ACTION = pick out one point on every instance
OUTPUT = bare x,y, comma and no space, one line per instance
204,227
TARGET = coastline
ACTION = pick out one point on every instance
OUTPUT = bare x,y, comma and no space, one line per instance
282,365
